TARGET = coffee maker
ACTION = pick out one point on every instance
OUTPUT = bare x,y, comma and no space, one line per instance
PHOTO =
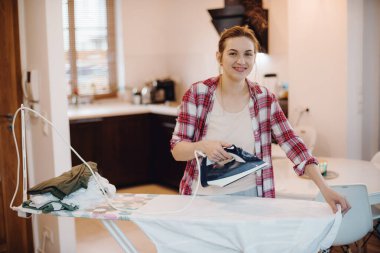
163,90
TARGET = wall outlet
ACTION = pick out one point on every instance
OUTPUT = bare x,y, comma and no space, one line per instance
302,109
49,234
23,214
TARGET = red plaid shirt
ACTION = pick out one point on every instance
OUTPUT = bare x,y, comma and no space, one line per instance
268,121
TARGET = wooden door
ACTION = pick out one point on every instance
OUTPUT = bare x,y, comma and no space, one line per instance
15,232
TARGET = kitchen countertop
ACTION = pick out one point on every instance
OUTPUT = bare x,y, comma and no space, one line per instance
115,107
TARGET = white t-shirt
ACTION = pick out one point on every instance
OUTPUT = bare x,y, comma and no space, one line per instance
233,128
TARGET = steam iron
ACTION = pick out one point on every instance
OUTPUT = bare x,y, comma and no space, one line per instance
223,173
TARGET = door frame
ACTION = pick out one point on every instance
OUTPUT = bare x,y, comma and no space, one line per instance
17,232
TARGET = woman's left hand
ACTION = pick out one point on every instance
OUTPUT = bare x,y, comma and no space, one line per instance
333,198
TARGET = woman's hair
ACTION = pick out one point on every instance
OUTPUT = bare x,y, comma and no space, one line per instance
237,31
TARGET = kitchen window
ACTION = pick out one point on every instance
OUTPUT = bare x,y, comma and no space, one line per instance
89,44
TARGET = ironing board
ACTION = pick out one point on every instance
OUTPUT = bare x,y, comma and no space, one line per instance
218,223
227,224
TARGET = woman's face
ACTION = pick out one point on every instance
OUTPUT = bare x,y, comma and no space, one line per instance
238,58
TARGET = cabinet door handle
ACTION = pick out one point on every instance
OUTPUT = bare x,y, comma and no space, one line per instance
169,125
86,120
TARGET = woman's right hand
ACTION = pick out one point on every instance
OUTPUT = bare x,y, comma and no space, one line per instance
214,150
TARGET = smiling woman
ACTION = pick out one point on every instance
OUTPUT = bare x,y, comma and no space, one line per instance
90,47
230,109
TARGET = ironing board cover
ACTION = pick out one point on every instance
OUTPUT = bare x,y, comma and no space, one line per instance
128,202
223,223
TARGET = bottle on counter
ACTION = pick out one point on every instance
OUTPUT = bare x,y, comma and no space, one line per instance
136,96
146,94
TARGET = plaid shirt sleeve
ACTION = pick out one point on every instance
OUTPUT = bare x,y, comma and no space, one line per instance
187,118
293,146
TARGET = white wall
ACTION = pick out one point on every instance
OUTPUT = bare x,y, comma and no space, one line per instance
42,50
144,40
371,79
355,22
334,70
318,70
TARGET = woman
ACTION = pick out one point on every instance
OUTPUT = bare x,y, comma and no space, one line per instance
230,109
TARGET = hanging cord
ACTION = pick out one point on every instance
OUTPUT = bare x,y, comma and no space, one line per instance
23,108
193,196
18,161
300,114
100,186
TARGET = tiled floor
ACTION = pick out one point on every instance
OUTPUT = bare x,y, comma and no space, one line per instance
93,237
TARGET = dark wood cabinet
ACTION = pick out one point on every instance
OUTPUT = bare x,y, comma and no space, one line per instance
119,145
130,149
126,149
166,170
85,139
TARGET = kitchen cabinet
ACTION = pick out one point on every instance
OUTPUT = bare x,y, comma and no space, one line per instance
119,145
84,137
126,149
129,149
166,171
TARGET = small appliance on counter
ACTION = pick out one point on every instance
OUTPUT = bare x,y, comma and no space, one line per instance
158,91
163,90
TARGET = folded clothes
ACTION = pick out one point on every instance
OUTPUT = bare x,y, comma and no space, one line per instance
85,198
40,200
66,183
79,199
50,207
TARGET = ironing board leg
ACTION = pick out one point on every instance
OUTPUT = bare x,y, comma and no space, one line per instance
118,235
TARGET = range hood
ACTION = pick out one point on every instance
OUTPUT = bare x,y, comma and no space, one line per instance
243,12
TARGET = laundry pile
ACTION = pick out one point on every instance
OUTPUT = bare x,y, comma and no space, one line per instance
74,189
